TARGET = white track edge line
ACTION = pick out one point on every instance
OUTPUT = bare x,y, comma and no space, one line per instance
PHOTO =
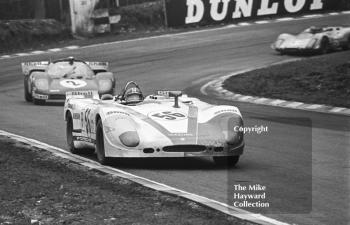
230,210
334,110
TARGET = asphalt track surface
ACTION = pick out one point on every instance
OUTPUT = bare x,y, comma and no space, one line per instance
303,160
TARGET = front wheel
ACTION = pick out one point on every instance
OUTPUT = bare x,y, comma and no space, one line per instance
347,45
69,135
100,148
27,93
227,161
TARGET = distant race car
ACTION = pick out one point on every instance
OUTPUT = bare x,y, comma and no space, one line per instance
49,81
166,124
314,40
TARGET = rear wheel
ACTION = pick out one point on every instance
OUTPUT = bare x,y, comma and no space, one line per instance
69,134
38,101
27,93
100,148
347,45
325,46
227,161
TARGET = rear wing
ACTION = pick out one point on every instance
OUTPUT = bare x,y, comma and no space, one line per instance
28,67
98,66
82,94
168,94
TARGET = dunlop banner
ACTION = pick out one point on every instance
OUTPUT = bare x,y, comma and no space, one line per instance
204,12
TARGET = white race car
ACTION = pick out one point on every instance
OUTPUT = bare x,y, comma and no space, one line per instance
167,124
314,40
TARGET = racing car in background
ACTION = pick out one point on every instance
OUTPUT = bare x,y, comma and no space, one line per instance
314,40
166,124
47,81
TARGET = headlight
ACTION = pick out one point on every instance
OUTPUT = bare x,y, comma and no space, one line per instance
104,85
41,84
120,129
234,136
312,43
130,138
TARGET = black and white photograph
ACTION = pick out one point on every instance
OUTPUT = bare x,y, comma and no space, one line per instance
176,112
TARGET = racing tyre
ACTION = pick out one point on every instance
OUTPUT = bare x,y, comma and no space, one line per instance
27,94
347,45
38,101
100,148
325,46
226,161
69,135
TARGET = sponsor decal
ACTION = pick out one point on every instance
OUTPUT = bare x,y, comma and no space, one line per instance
39,96
73,83
180,135
117,112
54,90
226,111
163,93
28,66
168,115
42,63
81,94
97,63
85,139
182,12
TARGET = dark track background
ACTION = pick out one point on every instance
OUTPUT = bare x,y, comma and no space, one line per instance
189,60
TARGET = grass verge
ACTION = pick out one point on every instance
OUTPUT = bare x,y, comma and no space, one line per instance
318,80
39,188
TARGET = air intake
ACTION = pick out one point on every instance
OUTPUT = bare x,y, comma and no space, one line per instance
184,148
148,150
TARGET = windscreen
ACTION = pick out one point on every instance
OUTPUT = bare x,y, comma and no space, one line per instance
76,70
314,30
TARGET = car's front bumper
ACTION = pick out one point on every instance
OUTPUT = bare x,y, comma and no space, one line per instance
178,151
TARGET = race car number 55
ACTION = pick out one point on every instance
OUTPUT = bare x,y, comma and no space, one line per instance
168,115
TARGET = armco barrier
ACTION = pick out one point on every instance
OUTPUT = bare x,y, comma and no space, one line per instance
204,12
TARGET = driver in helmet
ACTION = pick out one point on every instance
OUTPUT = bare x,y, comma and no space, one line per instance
133,95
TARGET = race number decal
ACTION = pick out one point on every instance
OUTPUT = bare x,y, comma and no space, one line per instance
87,121
72,83
168,115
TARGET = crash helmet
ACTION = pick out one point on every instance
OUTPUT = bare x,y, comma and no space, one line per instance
133,95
